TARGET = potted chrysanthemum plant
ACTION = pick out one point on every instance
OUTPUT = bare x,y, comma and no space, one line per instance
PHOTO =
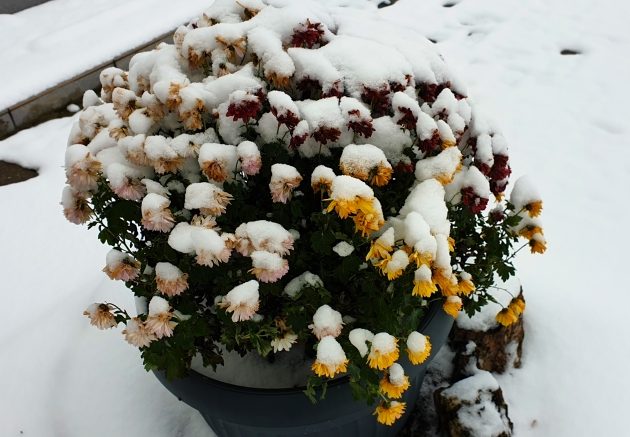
290,181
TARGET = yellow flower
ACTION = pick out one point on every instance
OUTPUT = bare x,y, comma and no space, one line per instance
392,390
466,287
322,369
418,347
382,176
529,231
506,317
537,244
378,250
421,258
395,265
423,288
517,306
387,414
384,351
534,208
448,283
367,223
452,306
451,244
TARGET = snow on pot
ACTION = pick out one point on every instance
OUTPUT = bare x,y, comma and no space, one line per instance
292,176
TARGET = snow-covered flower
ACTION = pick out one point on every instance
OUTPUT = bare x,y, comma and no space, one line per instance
284,179
394,382
367,163
268,266
388,413
418,347
170,280
331,359
423,284
452,306
218,162
82,169
156,216
161,155
284,342
242,301
100,315
120,266
76,207
211,249
382,246
394,266
137,333
322,178
537,243
251,161
207,198
326,322
263,235
525,196
384,351
349,196
159,319
466,285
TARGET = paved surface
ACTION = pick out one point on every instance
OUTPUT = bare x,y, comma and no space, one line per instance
12,6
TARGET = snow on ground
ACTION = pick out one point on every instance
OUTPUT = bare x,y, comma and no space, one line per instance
52,42
566,120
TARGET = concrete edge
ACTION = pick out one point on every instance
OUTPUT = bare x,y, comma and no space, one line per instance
52,102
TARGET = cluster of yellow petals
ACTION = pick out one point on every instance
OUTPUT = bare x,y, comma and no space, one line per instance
366,223
466,287
452,306
322,369
534,208
366,218
381,361
424,288
381,176
537,245
391,390
391,274
387,414
420,258
448,285
420,357
510,315
378,250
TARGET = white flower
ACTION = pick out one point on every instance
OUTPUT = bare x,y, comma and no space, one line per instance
326,322
242,301
285,342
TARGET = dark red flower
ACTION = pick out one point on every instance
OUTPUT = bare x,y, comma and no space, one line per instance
325,134
475,203
377,99
431,145
501,168
404,167
336,90
245,109
428,92
308,35
289,119
297,140
407,119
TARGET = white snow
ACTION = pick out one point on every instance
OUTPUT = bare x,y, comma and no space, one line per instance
359,338
295,285
343,248
69,37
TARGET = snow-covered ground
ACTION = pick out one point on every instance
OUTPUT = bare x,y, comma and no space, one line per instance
52,42
566,119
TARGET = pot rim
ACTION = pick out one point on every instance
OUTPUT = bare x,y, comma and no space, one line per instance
433,310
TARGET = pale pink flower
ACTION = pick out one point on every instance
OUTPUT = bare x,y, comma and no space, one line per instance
159,320
326,321
76,208
130,189
284,342
100,315
242,301
155,213
268,266
82,169
121,266
170,280
284,179
251,165
137,334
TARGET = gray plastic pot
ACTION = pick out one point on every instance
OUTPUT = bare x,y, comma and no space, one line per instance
234,411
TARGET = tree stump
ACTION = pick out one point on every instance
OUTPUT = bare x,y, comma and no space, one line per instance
473,407
494,349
